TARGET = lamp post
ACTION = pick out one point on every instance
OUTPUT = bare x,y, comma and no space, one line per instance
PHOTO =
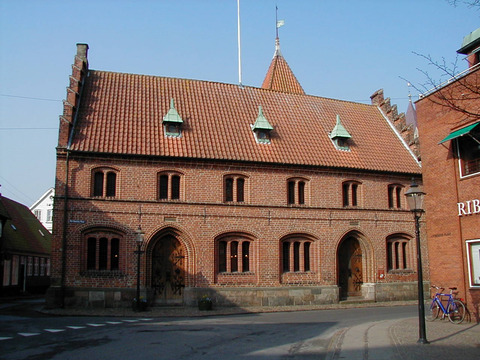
415,203
139,239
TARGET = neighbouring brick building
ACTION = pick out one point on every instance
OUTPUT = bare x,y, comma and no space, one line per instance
254,196
449,130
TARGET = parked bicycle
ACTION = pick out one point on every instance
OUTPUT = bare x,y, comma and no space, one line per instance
454,308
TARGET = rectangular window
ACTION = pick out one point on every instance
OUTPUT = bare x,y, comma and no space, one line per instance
49,215
473,257
391,191
301,192
345,188
111,184
228,189
114,253
103,254
42,266
91,254
15,269
222,256
399,197
286,256
245,256
30,266
234,256
36,269
163,187
354,194
306,256
7,265
38,214
175,187
296,256
48,267
98,184
240,190
469,151
291,192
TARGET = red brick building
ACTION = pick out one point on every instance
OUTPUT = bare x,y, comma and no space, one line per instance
254,196
449,130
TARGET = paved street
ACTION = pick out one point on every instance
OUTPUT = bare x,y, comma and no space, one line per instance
377,332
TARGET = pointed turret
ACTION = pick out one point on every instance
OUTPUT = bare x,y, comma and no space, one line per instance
279,75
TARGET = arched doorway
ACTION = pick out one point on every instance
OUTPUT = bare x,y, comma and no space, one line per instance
168,271
350,268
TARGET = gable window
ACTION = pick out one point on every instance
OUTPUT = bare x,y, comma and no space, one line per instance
262,128
103,251
350,193
296,255
104,183
340,136
38,214
234,254
234,188
398,253
395,196
296,191
169,186
172,122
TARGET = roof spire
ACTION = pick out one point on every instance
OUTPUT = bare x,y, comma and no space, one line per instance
278,24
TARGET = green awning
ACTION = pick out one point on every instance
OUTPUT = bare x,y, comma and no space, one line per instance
460,132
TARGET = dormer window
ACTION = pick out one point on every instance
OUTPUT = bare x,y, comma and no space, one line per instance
172,122
340,136
262,128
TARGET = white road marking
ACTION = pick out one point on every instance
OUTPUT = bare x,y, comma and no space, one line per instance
54,330
28,334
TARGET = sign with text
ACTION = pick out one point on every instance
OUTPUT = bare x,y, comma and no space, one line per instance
468,207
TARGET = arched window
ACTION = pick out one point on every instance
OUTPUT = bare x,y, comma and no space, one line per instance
399,253
296,189
296,255
104,182
169,186
102,251
351,193
234,255
234,188
395,196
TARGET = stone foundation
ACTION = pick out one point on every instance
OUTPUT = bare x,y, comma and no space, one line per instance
228,296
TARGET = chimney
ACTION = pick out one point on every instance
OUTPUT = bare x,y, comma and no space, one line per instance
82,51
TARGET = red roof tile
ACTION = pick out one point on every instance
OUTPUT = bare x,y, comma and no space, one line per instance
123,113
280,77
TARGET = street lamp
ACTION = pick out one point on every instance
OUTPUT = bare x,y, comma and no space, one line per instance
415,203
139,239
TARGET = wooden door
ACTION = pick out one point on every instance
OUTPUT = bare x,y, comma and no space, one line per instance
350,278
168,271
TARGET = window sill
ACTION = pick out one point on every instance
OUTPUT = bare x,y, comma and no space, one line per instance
102,273
401,271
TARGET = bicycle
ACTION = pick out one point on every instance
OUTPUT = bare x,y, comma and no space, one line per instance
454,309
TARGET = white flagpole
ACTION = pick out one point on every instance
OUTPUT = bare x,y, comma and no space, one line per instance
239,47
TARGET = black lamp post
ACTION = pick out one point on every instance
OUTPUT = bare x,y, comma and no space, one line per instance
415,203
139,239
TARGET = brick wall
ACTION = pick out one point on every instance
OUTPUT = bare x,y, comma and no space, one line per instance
200,217
447,232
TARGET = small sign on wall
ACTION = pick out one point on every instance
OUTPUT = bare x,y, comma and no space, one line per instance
381,274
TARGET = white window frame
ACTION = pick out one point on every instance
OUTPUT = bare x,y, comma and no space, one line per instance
473,248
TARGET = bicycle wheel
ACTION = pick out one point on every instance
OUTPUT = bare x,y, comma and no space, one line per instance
456,312
431,310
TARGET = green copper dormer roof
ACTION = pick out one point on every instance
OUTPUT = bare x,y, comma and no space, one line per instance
261,123
172,115
339,131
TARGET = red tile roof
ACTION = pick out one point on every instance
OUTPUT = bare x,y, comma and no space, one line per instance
122,114
280,77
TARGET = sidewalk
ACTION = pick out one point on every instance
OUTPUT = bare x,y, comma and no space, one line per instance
397,339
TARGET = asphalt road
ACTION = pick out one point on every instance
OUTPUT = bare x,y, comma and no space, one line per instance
280,335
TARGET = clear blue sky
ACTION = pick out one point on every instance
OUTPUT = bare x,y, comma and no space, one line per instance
337,49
